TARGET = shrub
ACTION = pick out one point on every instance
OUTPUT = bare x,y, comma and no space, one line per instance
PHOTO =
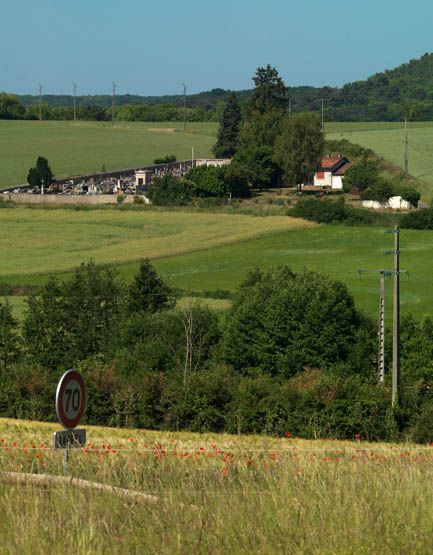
171,191
362,175
423,429
167,159
421,219
138,199
380,191
330,212
411,195
207,181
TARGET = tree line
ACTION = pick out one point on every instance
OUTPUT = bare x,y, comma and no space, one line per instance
293,355
385,96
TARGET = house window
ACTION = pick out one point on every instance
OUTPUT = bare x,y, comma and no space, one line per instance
320,175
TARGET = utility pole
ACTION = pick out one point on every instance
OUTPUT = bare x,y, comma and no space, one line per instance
396,272
184,107
381,331
381,354
290,107
113,97
406,148
323,100
40,102
396,320
75,100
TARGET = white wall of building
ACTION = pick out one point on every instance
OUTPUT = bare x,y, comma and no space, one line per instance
329,180
394,203
326,181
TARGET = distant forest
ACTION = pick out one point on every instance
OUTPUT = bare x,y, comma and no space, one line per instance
387,96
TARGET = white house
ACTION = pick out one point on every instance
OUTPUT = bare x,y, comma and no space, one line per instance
331,172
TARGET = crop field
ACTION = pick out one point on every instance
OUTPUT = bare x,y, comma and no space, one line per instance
39,241
75,148
207,252
387,140
212,494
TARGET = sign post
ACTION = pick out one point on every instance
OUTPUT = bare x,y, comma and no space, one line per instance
70,405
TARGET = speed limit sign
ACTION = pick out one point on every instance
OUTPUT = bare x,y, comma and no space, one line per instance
70,399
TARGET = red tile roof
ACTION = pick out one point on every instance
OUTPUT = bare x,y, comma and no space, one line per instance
329,162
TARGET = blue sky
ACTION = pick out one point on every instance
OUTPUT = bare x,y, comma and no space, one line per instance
151,47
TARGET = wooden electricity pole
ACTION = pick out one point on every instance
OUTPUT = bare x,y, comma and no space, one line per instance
381,331
396,272
184,107
406,148
323,100
113,99
75,100
381,354
396,320
40,102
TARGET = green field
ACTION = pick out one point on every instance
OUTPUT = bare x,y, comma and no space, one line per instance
387,140
211,493
45,240
84,147
75,148
206,252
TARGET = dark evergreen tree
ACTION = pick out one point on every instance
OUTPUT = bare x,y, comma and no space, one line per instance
44,170
148,292
9,338
228,132
270,92
33,178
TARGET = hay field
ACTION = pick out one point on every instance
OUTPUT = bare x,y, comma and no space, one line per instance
75,148
215,494
39,241
197,251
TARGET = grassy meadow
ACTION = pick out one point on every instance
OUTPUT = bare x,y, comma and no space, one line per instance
215,494
207,252
40,241
387,140
75,148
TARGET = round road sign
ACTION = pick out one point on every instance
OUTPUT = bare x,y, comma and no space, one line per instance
70,399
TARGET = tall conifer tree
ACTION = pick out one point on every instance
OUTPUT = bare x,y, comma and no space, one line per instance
228,132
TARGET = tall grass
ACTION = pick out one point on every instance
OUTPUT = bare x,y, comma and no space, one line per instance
218,494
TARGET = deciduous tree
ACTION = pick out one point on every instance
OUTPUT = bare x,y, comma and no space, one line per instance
299,148
10,345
